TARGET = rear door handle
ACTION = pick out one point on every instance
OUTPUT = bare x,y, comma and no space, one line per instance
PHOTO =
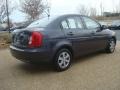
70,33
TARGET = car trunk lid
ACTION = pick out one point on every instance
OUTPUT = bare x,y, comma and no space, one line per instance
21,38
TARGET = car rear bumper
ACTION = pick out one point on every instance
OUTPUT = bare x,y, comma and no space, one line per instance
30,55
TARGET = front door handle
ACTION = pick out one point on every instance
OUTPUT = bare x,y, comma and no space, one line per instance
70,33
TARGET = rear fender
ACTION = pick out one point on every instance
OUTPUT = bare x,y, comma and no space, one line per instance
61,45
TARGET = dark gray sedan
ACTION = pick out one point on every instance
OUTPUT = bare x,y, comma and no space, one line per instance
115,25
59,39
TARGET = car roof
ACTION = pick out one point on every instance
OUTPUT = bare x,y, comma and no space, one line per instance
52,21
65,15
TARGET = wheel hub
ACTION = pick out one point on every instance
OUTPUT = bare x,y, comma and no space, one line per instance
64,59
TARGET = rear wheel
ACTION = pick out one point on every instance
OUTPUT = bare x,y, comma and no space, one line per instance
111,46
62,60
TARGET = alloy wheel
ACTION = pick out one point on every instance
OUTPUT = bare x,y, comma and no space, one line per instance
64,59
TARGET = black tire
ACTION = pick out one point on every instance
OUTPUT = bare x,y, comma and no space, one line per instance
57,60
111,46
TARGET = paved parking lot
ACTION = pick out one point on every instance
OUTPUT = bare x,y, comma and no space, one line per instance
118,34
98,71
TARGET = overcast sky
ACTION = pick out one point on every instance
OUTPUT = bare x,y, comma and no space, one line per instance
71,6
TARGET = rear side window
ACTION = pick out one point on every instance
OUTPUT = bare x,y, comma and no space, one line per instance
72,23
90,24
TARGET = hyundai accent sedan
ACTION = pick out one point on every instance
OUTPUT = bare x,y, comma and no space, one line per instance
59,39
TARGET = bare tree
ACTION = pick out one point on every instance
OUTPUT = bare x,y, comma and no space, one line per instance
83,10
33,8
93,12
3,10
117,8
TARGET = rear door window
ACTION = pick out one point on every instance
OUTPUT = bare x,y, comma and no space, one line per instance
64,25
72,23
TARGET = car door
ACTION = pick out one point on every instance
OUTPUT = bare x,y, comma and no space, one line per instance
75,33
83,37
98,39
69,27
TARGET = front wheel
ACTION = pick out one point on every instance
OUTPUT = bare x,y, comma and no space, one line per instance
111,46
62,60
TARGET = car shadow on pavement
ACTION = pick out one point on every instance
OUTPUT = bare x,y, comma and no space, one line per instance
35,68
47,67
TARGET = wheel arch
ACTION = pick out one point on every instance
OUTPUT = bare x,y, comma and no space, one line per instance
113,37
64,46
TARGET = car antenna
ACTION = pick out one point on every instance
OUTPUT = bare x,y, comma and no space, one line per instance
48,16
48,13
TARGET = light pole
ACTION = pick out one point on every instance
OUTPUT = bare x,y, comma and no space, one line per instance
8,20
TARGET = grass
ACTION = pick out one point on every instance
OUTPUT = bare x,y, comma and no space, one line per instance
5,39
107,18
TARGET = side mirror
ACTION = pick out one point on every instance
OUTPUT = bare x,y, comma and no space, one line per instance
103,27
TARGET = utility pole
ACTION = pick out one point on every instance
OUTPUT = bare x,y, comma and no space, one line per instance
8,20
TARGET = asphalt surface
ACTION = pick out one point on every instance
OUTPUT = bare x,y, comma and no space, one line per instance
117,34
99,71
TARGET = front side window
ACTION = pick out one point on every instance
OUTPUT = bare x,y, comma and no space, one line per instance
90,24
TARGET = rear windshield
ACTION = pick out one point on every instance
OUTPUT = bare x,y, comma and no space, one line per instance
42,22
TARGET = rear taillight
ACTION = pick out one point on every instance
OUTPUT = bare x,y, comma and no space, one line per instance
35,39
